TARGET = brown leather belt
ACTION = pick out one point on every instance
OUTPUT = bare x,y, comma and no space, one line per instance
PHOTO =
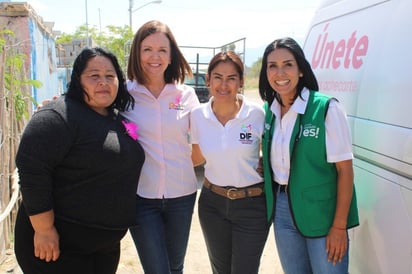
233,193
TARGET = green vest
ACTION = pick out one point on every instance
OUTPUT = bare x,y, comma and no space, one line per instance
312,187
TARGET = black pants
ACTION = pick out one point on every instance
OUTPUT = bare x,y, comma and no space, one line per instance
235,232
83,250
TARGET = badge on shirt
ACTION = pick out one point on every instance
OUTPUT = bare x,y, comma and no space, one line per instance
309,130
245,135
177,104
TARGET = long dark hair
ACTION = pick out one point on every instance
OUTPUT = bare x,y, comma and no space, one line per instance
308,80
123,100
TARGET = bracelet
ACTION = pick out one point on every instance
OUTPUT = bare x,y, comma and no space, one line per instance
338,228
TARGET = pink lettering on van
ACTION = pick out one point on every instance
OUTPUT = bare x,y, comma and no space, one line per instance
331,54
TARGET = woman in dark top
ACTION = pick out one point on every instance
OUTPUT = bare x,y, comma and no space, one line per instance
79,163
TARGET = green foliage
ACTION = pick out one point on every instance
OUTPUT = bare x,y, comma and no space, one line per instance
118,41
64,38
251,83
255,69
14,78
15,64
252,75
112,38
3,34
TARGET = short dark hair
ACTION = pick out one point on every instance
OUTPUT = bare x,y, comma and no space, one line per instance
308,79
123,100
178,68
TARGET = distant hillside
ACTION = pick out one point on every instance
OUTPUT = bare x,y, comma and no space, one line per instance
253,54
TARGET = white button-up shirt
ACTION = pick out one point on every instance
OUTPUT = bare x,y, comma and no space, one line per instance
163,132
338,138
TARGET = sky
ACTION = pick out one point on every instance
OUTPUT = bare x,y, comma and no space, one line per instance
198,23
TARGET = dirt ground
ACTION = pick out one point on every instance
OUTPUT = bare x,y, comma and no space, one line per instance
197,261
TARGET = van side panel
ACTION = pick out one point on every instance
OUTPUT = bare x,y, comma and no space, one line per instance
362,55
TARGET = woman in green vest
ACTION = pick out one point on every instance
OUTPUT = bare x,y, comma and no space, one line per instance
307,160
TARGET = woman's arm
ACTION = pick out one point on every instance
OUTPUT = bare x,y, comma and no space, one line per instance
344,195
336,240
44,143
197,156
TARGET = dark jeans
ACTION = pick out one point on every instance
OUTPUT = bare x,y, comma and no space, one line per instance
162,233
83,250
235,232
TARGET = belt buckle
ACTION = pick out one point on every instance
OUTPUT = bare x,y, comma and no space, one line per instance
229,191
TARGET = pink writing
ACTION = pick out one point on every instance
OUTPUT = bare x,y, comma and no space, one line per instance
331,54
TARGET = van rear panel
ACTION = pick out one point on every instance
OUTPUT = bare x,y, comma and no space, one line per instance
361,54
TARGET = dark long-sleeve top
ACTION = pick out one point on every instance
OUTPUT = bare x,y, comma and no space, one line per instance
80,164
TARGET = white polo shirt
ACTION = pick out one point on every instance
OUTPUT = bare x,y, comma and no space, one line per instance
163,132
231,151
338,138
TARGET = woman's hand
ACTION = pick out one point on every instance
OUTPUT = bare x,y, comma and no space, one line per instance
336,244
46,237
46,244
45,102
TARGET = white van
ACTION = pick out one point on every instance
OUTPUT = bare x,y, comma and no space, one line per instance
361,53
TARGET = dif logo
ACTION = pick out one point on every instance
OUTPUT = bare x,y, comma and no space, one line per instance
245,135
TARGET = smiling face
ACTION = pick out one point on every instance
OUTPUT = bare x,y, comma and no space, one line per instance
99,81
224,81
155,54
283,73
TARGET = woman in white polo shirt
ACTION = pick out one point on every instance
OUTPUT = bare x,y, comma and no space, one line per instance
232,208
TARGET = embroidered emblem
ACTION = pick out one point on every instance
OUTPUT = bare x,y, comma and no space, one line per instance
177,104
310,130
245,135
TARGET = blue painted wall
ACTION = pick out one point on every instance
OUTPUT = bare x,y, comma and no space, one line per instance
43,63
